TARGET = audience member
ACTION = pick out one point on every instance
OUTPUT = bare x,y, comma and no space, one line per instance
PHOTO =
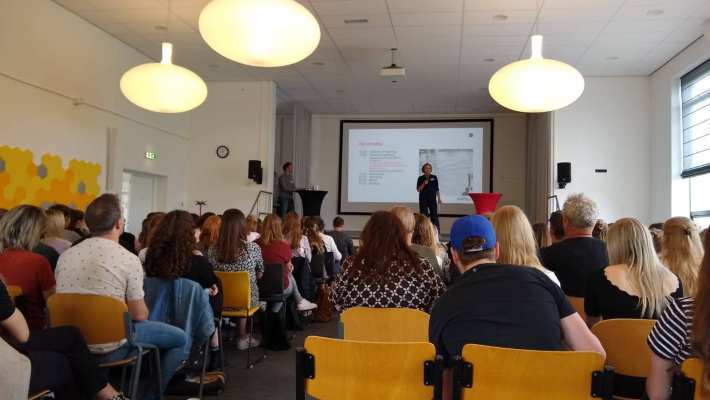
66,233
203,218
385,272
425,241
152,224
53,231
542,235
59,357
579,254
20,232
101,266
320,243
406,217
145,230
293,234
515,239
274,249
328,241
251,224
343,241
51,255
635,284
682,251
77,223
656,230
209,232
600,230
501,305
232,253
128,241
557,229
682,331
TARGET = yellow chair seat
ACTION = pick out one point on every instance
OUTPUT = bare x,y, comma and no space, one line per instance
385,324
239,313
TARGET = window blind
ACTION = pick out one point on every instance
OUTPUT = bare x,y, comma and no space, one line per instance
695,97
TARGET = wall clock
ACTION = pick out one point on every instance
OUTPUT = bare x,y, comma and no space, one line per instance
222,151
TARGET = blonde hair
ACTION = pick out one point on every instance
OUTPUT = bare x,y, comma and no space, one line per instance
682,251
629,242
55,223
251,223
515,237
425,233
21,228
271,230
406,216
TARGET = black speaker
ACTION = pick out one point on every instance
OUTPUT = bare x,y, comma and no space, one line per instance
564,174
255,171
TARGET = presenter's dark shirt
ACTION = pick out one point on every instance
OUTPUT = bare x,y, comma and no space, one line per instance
429,191
574,260
499,305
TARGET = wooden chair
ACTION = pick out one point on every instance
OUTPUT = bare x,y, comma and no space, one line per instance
492,373
237,304
350,370
687,384
578,304
103,319
385,324
627,352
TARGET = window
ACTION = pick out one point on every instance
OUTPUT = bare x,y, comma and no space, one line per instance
700,200
695,108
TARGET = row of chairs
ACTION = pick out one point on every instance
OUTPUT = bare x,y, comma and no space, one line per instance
624,341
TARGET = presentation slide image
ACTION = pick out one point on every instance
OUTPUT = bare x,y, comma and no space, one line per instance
453,168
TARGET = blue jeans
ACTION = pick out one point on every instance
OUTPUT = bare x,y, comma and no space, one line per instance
169,339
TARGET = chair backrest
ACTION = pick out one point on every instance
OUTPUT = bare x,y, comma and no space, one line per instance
350,370
329,263
625,343
14,291
317,265
500,373
236,290
578,304
693,368
385,324
304,280
271,284
100,319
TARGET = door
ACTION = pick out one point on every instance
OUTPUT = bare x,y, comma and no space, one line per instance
137,199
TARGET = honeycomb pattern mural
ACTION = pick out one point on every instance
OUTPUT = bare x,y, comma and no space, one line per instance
24,182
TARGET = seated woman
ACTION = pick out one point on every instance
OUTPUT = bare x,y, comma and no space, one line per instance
20,231
232,253
425,241
53,231
636,284
682,251
682,331
516,240
59,357
385,271
148,232
209,232
275,250
251,224
293,234
173,252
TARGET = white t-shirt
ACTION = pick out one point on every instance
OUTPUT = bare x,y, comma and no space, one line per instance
331,246
303,250
102,267
253,236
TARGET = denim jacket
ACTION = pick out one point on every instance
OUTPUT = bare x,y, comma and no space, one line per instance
182,303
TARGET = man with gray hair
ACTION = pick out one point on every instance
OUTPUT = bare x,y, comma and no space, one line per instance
579,254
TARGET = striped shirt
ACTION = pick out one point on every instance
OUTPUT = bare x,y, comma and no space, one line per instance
670,336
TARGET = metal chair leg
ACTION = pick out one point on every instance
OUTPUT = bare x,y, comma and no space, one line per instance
158,373
221,345
135,375
250,320
204,368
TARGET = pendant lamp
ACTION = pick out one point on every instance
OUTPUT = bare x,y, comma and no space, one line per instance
163,87
536,84
260,33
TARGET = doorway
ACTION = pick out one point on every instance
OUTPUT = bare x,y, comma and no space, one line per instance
138,198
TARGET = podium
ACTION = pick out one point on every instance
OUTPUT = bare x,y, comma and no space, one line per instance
312,201
485,203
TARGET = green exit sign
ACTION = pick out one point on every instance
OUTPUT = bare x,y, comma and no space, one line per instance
151,155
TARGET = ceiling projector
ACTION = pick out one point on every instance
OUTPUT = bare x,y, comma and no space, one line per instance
393,72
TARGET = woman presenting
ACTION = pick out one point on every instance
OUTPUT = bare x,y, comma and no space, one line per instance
428,188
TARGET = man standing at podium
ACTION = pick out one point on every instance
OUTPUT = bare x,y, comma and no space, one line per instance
286,188
429,197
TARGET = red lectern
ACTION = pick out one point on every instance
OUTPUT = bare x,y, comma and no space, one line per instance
485,202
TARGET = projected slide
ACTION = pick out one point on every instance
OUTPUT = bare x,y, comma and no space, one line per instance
380,163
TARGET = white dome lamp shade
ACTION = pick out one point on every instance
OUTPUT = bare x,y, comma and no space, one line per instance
260,33
536,84
163,87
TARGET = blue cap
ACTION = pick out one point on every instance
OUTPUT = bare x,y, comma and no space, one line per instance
473,226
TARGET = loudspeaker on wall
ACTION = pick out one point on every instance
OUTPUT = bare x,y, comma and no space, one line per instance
564,174
255,171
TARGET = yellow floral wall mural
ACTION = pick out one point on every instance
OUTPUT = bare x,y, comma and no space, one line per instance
24,182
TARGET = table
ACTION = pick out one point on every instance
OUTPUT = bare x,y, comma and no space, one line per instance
312,201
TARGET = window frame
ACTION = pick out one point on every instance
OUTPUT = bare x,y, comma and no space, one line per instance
702,69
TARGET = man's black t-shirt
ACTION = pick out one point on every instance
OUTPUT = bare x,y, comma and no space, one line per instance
6,306
499,305
428,192
573,260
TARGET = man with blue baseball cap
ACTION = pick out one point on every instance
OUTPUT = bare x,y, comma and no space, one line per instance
501,305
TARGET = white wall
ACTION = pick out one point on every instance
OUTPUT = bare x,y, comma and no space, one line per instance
241,116
509,152
44,45
669,192
608,128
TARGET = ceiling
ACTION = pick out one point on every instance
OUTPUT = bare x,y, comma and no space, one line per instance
450,48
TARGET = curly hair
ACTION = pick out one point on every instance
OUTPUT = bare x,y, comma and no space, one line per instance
580,211
171,245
